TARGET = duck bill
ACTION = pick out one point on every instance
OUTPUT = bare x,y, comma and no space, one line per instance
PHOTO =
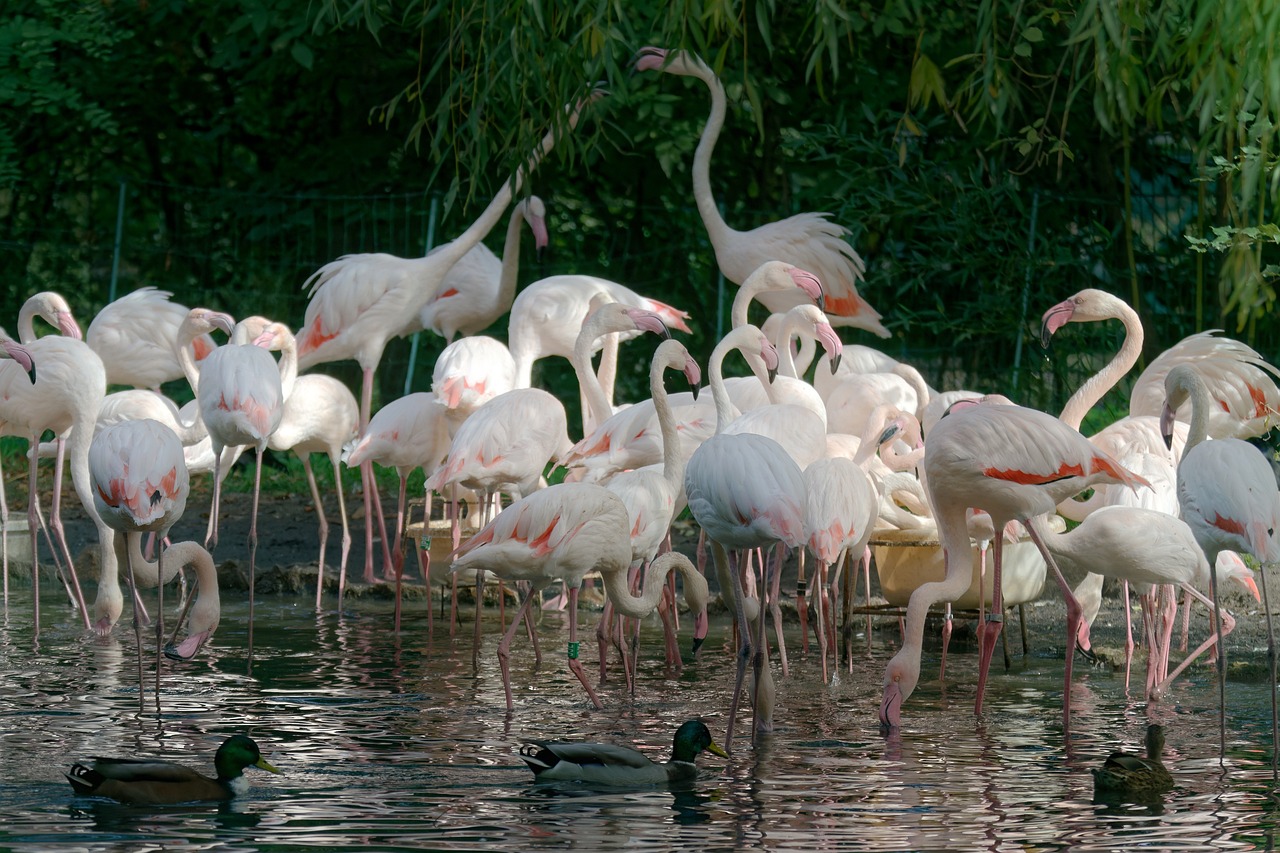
716,749
263,764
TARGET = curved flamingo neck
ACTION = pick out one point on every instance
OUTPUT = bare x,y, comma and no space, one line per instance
672,458
633,606
598,407
717,229
510,262
725,411
288,364
1096,386
1189,381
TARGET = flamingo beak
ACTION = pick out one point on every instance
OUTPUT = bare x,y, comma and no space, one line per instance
1054,319
891,708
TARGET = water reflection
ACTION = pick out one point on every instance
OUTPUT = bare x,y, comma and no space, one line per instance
397,742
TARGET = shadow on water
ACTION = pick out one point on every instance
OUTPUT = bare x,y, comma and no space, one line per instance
396,742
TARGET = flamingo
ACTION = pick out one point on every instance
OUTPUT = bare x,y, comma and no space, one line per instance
606,318
839,514
559,533
1141,546
1228,496
632,437
470,372
140,484
548,314
745,491
63,396
406,434
359,302
241,399
15,351
134,336
1238,380
653,496
505,444
320,415
1016,464
479,288
808,240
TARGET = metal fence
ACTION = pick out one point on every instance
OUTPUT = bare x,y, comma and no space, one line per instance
246,253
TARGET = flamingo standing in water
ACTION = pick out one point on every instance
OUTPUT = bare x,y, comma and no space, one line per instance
15,351
559,533
69,385
807,240
241,400
1016,464
140,484
360,302
320,416
1228,496
746,492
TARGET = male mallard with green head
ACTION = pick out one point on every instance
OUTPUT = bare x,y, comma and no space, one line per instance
1124,772
609,764
145,782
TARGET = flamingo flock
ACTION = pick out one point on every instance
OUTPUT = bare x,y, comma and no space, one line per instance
791,457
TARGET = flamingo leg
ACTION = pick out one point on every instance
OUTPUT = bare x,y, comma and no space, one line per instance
575,665
801,606
253,548
504,645
775,590
32,522
729,578
122,554
60,534
1228,624
1128,634
321,522
1075,615
820,630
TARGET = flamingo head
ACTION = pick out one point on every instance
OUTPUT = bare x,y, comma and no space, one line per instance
1057,317
535,214
647,321
20,354
831,344
1230,567
187,649
900,679
649,59
692,372
809,283
769,354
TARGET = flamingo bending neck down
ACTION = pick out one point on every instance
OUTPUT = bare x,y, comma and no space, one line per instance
1016,464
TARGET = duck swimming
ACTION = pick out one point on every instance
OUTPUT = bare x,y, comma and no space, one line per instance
1125,773
609,764
150,782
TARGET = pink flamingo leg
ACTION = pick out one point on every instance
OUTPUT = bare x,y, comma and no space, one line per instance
801,607
321,522
504,645
253,550
575,665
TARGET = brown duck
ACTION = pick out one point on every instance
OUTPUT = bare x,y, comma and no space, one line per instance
1125,773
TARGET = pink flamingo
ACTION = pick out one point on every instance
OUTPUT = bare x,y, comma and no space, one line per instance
470,372
654,495
1238,380
548,314
205,607
632,437
68,388
359,302
745,492
10,349
140,484
559,533
134,336
840,511
241,399
479,288
1016,464
1228,496
808,240
320,416
406,434
606,318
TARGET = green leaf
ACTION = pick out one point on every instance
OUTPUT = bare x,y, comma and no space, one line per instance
302,54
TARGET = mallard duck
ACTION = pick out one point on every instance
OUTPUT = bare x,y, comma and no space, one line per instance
132,780
1124,772
609,764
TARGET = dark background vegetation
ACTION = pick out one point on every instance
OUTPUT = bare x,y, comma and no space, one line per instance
990,158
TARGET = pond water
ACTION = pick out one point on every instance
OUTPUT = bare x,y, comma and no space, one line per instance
389,742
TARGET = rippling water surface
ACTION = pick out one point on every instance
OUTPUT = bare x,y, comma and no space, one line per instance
389,742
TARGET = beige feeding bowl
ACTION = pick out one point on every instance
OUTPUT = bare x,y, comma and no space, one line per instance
17,543
905,559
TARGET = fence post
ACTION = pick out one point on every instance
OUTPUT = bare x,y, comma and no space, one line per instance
115,255
431,238
1026,289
